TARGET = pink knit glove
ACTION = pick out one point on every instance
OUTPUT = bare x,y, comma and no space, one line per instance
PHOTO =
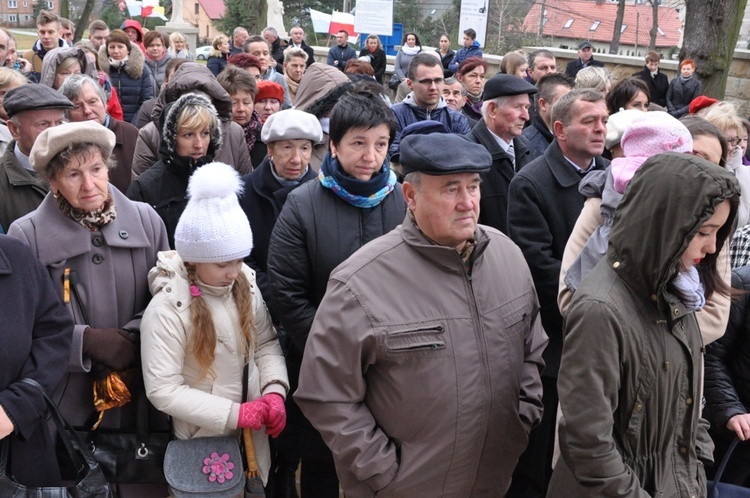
276,418
252,414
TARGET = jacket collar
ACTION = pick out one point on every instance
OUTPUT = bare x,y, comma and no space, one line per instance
265,184
17,174
488,140
563,172
5,266
67,239
443,256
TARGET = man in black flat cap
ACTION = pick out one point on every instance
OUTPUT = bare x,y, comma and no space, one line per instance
422,368
504,112
585,59
31,109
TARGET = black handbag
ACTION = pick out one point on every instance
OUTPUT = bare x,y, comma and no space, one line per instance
717,489
90,482
126,456
394,82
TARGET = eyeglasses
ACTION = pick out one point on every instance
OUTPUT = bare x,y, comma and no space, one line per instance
734,142
430,82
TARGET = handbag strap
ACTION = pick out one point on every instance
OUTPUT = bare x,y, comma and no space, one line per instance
73,445
725,460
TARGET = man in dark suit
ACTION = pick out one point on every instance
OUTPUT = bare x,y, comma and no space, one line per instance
585,59
297,39
543,206
504,111
658,83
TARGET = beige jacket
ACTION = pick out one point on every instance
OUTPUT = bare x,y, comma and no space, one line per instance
712,319
208,406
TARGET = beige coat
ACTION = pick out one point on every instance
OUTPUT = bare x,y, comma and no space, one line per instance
208,406
712,319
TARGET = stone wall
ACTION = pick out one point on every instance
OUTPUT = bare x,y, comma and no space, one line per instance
621,66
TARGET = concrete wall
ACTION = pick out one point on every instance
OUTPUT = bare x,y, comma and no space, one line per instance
621,66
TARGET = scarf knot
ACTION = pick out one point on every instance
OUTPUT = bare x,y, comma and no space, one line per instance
358,193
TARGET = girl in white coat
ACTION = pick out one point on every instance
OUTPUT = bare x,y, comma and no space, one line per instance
207,320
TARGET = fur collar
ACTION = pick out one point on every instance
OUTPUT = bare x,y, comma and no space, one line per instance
134,66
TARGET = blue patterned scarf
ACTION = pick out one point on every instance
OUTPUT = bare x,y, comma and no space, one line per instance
356,192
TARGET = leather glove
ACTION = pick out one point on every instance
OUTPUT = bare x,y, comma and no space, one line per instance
276,419
252,414
113,348
99,371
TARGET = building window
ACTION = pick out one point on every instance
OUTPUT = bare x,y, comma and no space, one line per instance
660,31
594,26
27,18
50,5
12,4
25,3
568,24
12,18
197,9
624,27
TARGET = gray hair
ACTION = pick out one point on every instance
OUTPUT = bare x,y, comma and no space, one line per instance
291,52
452,81
500,102
271,30
73,86
238,30
415,178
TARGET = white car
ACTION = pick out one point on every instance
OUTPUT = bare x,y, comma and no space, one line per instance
201,53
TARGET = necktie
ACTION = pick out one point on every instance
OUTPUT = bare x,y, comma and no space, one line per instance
512,152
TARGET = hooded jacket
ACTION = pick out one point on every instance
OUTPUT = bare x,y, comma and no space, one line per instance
319,89
464,53
208,406
192,77
629,382
56,56
133,81
164,186
131,23
36,56
409,112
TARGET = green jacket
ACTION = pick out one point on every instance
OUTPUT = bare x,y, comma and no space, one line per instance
21,191
631,359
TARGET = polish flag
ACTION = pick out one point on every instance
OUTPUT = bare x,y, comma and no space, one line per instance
342,20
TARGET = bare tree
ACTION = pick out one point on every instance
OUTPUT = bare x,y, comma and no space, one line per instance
654,24
614,45
711,31
83,21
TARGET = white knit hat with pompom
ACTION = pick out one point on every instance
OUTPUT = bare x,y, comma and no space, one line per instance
213,228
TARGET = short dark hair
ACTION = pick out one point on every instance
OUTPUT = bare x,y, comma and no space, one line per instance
624,91
345,32
536,53
46,17
255,39
152,35
652,56
360,109
421,59
549,82
563,109
471,33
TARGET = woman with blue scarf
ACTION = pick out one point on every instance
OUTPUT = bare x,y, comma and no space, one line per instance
356,200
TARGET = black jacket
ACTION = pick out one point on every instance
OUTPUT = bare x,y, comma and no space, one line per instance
538,136
308,50
277,52
36,337
493,206
315,232
543,207
728,361
574,66
262,201
377,61
446,60
657,86
681,93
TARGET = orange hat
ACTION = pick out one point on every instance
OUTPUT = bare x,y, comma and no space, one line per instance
269,90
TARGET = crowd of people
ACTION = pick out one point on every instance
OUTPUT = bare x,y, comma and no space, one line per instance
525,284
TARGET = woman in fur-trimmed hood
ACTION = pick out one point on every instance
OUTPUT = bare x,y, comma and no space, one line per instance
190,137
125,64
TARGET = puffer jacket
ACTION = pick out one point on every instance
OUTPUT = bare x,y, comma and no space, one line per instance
133,82
56,56
191,77
408,112
464,53
629,382
315,232
164,186
158,68
681,93
434,374
208,406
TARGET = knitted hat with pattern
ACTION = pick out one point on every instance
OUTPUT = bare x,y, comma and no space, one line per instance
213,228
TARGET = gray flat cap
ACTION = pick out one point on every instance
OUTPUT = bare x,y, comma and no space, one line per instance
32,97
